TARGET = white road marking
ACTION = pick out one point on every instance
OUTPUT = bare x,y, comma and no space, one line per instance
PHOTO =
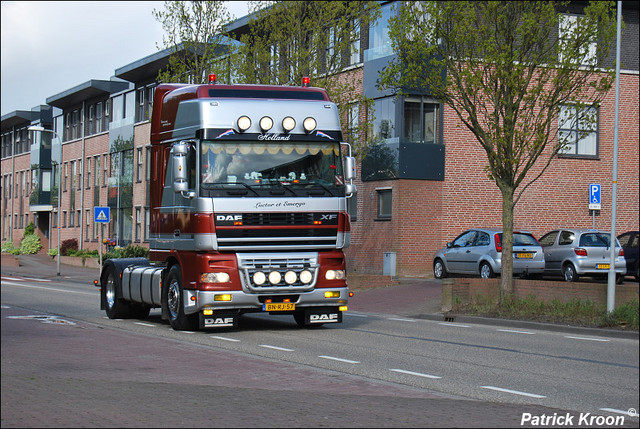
276,348
515,392
516,332
587,338
419,374
233,340
144,324
630,412
454,324
400,319
339,359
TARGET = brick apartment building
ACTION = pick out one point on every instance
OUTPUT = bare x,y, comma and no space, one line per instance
98,153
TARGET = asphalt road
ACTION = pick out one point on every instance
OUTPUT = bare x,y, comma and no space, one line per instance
74,367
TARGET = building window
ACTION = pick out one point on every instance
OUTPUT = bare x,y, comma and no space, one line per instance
146,224
567,27
88,227
105,170
66,176
96,161
64,219
353,122
379,40
383,119
148,163
88,164
138,223
354,48
384,203
420,120
578,131
139,164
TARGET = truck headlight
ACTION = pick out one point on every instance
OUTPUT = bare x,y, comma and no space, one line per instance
215,278
306,277
334,275
259,278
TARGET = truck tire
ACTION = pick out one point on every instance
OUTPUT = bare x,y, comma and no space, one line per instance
115,307
174,298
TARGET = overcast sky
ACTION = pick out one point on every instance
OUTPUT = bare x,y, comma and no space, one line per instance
49,47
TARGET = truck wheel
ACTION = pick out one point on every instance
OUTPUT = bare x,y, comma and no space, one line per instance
115,307
178,320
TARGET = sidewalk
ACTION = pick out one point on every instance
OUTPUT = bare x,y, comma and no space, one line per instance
42,266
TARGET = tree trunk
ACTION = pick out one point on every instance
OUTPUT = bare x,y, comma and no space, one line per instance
506,275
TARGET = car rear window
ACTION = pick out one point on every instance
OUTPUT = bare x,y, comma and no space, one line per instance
594,239
521,239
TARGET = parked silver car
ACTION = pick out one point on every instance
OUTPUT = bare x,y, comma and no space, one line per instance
479,251
572,252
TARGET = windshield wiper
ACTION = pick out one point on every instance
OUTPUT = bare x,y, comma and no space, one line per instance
285,188
230,191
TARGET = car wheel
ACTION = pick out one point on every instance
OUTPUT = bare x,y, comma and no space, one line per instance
619,279
569,273
439,271
486,272
175,303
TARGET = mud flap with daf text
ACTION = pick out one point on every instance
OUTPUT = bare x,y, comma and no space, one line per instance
219,319
317,316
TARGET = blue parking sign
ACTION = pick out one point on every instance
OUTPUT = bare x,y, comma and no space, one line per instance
595,199
101,214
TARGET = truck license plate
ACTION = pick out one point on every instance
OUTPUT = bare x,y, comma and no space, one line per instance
279,306
524,255
602,266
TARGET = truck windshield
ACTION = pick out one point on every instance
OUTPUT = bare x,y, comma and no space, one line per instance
293,164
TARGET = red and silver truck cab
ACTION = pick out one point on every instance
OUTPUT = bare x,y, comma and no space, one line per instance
248,193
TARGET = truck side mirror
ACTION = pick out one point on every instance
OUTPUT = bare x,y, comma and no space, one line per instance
349,168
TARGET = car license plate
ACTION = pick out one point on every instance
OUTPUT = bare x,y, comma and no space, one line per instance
602,266
524,255
279,306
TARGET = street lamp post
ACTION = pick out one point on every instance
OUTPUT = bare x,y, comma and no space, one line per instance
58,167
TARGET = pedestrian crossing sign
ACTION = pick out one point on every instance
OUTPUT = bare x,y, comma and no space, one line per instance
101,214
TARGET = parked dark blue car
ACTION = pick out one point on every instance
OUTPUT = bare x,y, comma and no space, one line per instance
629,243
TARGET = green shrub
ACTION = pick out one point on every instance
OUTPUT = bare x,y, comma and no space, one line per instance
53,252
30,245
29,230
7,247
132,251
112,254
